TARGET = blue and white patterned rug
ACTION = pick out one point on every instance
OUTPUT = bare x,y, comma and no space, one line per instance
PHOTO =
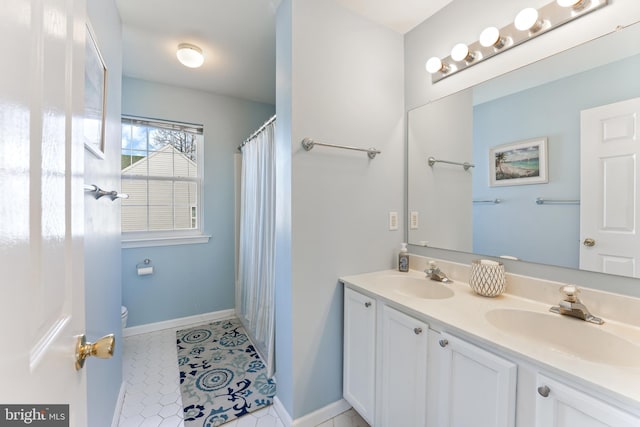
221,374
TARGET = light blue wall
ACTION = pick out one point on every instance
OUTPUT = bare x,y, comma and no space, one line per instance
343,84
198,278
284,292
102,229
551,110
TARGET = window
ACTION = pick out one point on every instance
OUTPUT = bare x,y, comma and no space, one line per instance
161,173
194,216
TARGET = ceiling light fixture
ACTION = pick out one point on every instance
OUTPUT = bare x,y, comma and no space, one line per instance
528,24
190,55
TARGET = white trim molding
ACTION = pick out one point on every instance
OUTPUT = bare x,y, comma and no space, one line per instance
179,323
283,414
321,415
314,418
118,409
148,242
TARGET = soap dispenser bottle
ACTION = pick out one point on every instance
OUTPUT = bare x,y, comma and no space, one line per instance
403,259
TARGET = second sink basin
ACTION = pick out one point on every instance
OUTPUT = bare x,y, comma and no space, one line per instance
567,335
411,286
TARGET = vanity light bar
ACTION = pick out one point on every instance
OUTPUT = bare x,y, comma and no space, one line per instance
528,24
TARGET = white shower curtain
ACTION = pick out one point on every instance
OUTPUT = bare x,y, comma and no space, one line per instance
255,289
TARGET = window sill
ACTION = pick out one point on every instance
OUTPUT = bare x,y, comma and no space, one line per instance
147,242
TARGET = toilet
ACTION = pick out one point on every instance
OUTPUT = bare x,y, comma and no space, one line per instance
124,313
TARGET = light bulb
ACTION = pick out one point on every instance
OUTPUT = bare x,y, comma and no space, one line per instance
434,64
490,36
576,4
190,55
460,52
527,19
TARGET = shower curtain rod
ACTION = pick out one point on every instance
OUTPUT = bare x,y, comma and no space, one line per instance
253,135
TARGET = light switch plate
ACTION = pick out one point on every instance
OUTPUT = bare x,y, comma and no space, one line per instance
413,220
393,221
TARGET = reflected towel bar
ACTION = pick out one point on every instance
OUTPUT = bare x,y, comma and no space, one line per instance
494,201
466,165
308,144
541,201
99,192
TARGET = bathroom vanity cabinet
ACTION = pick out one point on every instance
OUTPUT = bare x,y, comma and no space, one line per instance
401,370
359,353
476,387
391,386
559,405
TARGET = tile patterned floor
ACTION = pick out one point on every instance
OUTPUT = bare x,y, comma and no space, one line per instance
152,397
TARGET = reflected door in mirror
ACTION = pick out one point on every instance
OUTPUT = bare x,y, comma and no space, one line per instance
609,201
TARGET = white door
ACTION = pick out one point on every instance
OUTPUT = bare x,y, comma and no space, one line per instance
359,368
609,211
41,206
477,388
558,405
402,390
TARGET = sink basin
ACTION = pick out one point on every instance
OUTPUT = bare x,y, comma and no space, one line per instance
416,287
567,335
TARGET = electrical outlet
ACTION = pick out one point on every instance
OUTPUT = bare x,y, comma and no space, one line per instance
393,221
413,220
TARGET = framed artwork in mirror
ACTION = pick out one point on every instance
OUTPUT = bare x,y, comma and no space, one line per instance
95,96
519,163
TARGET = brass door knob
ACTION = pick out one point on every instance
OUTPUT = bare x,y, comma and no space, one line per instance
589,242
103,348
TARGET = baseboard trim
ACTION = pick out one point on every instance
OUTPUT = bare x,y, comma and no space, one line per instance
179,322
118,409
321,415
314,418
283,414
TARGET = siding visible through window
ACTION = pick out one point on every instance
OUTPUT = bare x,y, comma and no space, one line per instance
161,172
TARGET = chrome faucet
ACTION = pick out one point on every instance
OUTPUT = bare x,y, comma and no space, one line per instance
434,273
572,306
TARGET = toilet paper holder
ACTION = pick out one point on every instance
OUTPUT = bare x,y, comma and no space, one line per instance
144,268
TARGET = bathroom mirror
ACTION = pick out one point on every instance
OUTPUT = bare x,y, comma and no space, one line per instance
534,214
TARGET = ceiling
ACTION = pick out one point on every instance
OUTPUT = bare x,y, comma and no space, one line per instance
399,15
237,38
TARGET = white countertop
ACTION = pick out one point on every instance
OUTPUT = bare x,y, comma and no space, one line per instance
465,314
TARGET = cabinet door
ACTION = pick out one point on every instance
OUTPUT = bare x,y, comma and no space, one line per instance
359,352
558,405
403,370
477,388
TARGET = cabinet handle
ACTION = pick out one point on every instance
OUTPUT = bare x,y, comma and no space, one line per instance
367,304
543,391
417,331
443,343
